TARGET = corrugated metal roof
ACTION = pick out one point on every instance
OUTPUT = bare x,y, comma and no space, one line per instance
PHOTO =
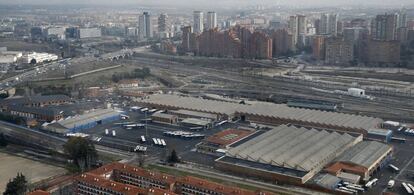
293,147
92,116
365,153
264,109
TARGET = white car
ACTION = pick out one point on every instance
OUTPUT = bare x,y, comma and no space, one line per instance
391,183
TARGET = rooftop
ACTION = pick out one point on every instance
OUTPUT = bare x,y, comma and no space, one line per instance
163,115
228,136
194,113
219,188
38,192
281,111
36,110
292,147
119,187
365,153
194,121
91,116
34,99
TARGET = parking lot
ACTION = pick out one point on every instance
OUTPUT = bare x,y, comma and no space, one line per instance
130,138
403,158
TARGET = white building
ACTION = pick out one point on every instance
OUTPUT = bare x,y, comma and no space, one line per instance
211,20
34,58
198,22
89,33
8,59
59,32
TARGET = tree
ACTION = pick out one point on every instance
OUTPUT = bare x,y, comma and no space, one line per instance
17,186
81,151
173,158
3,141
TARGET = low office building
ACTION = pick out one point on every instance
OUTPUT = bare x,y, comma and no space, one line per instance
159,117
221,141
286,154
363,159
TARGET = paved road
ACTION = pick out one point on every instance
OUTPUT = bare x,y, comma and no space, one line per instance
243,181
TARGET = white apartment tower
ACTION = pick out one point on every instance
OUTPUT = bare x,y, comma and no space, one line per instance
211,20
198,22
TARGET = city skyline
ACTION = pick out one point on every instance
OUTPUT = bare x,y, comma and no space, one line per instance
201,3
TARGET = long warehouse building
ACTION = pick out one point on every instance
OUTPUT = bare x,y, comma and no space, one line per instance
287,153
265,113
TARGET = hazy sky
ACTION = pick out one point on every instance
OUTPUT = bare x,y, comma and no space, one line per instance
395,3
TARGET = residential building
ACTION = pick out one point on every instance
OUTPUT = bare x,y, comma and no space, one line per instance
260,46
329,24
282,42
380,52
338,51
211,20
186,38
163,26
198,22
84,33
384,27
145,26
318,47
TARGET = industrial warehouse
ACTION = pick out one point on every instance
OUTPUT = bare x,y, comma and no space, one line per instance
265,113
297,155
84,121
287,153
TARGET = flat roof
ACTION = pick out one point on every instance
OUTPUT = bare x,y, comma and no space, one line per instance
264,109
380,132
163,115
195,121
365,153
293,147
228,136
194,113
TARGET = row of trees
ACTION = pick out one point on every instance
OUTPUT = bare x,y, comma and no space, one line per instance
136,74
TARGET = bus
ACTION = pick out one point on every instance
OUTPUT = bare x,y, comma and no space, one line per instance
398,139
221,123
159,141
144,109
163,142
349,190
143,139
411,187
155,141
371,183
407,189
353,187
394,168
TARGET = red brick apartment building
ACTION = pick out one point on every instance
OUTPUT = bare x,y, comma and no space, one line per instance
123,179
